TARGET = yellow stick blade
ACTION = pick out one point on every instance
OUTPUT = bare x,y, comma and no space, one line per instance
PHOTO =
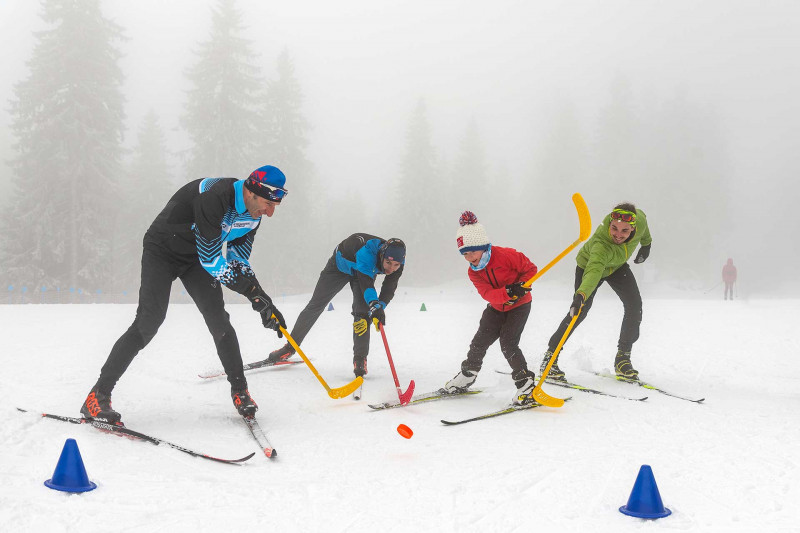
545,399
584,217
347,390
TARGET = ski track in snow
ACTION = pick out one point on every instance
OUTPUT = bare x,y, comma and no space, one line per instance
730,464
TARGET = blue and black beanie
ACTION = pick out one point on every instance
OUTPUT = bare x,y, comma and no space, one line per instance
393,249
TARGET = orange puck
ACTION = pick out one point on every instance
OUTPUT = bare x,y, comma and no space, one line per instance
405,431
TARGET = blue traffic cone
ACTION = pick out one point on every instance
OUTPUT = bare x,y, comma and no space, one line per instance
645,501
330,306
70,474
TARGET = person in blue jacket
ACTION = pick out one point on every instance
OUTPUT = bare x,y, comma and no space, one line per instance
185,241
357,260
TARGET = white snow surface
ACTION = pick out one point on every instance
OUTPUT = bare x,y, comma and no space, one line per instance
729,464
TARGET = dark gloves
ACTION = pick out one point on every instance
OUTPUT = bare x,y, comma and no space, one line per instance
644,253
577,303
263,305
517,290
272,320
376,312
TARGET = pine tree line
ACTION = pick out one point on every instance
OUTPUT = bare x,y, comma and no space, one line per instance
78,209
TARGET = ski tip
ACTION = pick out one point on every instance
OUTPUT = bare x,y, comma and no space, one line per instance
271,453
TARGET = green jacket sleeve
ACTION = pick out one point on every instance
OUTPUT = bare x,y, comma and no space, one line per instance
599,256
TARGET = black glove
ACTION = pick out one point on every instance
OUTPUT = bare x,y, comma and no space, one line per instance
263,304
517,290
644,253
376,312
577,303
272,320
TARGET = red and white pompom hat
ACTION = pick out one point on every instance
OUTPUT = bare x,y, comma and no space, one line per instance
471,236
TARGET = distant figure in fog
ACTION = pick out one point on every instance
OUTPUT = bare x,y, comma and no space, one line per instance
729,277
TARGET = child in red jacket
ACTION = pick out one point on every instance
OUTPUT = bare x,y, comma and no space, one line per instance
498,274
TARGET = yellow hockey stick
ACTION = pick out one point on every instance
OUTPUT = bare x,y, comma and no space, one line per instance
585,220
537,393
341,392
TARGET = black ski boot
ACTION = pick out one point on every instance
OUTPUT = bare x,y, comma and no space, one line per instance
525,380
244,403
281,354
623,366
360,366
555,373
97,406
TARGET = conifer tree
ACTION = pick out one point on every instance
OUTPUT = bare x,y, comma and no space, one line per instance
148,185
223,115
302,215
469,172
67,117
421,202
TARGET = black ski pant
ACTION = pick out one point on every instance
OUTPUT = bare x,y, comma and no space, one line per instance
159,270
506,326
624,284
331,281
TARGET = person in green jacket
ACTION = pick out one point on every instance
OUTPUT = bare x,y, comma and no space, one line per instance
604,258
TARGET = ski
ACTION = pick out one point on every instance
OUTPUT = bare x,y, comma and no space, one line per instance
575,386
249,366
440,394
510,409
646,386
122,430
261,438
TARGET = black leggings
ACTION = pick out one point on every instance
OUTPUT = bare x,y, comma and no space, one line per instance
158,273
624,284
331,281
495,325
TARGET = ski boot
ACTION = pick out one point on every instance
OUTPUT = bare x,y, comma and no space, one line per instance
97,406
461,381
525,380
360,366
555,373
244,403
623,366
281,354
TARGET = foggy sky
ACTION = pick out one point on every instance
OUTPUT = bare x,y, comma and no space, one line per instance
363,65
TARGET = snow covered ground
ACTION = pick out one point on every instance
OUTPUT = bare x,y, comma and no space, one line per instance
730,464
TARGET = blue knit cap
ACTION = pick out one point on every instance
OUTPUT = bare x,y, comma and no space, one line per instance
268,182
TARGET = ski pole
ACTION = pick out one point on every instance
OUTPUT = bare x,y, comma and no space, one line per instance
405,397
537,393
712,288
341,392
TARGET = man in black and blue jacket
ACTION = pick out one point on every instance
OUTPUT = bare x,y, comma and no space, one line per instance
357,260
185,241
